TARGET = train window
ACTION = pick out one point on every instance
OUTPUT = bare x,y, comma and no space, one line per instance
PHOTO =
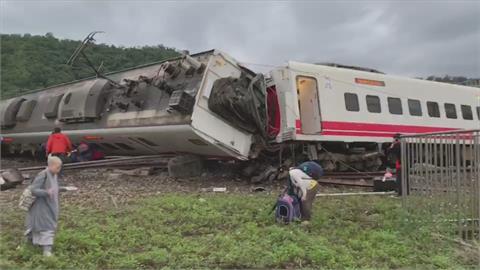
415,107
466,112
146,141
450,110
351,102
109,146
395,105
51,110
433,109
124,146
478,112
373,104
67,98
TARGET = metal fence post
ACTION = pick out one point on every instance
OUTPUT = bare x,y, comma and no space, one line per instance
403,171
441,173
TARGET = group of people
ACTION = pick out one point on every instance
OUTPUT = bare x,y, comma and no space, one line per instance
59,144
42,216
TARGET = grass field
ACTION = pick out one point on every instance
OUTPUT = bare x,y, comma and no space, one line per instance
232,231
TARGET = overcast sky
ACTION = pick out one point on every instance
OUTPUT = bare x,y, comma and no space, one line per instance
406,38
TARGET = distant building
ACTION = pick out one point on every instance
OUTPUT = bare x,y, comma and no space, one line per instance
473,82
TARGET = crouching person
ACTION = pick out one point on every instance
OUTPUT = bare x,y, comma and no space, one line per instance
304,185
42,217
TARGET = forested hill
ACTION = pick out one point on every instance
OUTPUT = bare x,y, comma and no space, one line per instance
31,62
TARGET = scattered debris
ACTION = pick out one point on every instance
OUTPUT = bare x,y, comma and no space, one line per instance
258,189
219,189
270,174
142,171
11,178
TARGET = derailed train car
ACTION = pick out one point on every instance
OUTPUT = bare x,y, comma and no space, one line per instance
210,105
156,108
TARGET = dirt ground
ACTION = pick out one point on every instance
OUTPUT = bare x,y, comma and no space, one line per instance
97,187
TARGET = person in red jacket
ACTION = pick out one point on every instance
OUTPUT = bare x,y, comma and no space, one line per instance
58,144
395,150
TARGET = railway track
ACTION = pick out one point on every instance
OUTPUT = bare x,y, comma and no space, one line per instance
355,174
357,179
153,160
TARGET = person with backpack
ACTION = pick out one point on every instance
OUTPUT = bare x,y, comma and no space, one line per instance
42,216
297,200
304,185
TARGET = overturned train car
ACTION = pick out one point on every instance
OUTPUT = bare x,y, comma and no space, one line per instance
208,104
151,109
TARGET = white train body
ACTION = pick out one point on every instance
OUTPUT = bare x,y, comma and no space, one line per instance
326,118
308,104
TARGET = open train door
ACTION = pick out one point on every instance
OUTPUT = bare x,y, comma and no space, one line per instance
308,104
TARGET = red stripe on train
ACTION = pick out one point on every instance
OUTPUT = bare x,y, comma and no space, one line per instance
359,134
330,125
369,129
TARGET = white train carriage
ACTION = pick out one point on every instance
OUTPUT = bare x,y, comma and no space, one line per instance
346,117
324,103
137,120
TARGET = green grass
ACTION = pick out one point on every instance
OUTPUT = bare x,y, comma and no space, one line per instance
231,231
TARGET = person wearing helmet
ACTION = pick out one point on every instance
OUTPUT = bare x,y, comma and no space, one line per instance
303,184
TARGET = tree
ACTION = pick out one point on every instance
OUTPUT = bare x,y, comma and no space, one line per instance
31,61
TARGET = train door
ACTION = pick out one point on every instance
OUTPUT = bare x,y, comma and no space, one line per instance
307,92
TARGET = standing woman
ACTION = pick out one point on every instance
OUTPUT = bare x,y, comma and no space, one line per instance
42,217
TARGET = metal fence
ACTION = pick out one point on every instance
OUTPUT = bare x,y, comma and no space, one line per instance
441,180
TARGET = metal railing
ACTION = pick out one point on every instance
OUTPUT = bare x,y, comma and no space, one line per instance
440,175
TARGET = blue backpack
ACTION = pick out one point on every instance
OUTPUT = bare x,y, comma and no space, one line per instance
287,209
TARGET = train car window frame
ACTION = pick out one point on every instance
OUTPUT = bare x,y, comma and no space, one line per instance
414,107
478,112
373,104
52,106
467,113
109,146
124,146
450,110
67,98
433,109
395,105
351,102
145,141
